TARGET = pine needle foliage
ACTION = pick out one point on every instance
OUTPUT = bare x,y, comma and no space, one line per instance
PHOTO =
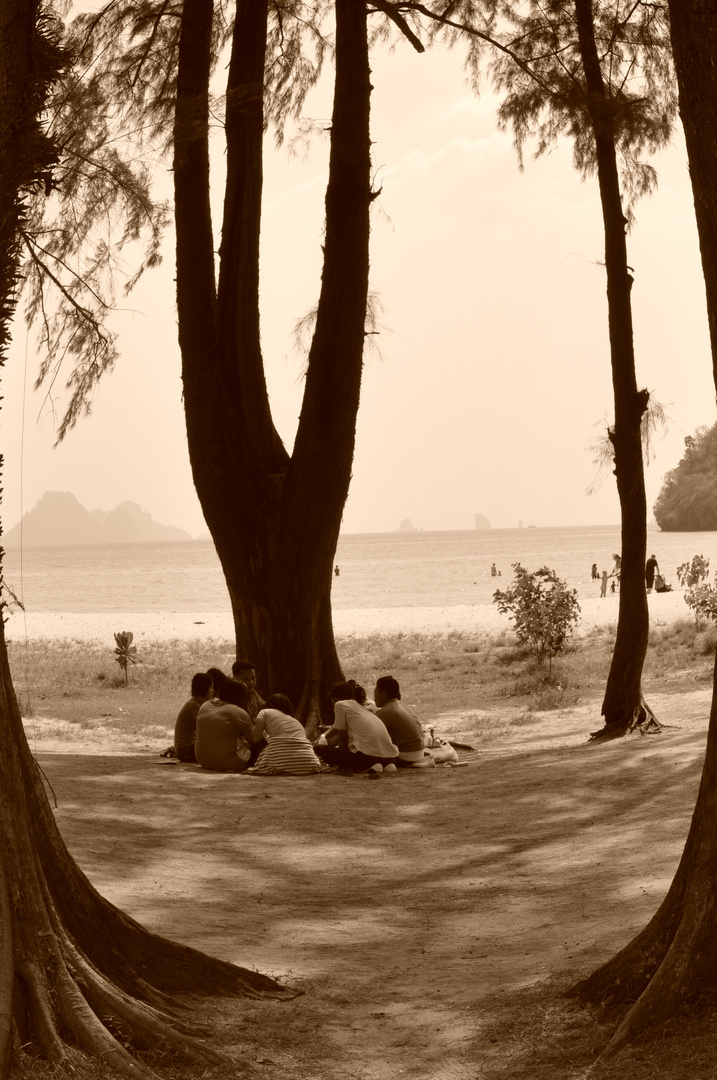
546,98
111,119
531,54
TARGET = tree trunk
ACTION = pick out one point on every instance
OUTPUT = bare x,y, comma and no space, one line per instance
274,518
674,958
83,974
623,697
76,974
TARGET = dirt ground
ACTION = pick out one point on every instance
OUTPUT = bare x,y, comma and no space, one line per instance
400,907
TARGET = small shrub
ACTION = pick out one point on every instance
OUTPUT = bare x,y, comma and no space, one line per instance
702,599
548,698
523,720
543,610
693,573
126,652
706,641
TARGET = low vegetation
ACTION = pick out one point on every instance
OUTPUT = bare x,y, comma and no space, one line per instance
72,687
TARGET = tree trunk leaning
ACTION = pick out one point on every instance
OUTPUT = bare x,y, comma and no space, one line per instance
673,960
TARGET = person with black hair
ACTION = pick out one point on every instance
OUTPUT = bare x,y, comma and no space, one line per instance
287,751
245,672
403,726
217,677
224,730
185,726
358,740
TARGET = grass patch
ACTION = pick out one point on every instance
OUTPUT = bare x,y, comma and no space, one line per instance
539,1034
461,675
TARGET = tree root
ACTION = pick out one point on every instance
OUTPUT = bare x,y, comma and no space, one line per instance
641,719
7,975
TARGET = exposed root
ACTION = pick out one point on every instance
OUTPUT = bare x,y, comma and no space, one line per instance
142,1025
41,1019
7,975
641,719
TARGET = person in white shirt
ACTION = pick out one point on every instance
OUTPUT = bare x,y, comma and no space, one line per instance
358,740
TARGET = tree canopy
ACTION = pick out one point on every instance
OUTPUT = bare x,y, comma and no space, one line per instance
688,498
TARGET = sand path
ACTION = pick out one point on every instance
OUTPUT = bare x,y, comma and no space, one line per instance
398,906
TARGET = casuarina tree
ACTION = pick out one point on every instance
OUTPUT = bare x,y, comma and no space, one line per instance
77,976
673,960
273,513
598,73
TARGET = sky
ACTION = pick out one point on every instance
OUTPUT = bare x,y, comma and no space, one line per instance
491,375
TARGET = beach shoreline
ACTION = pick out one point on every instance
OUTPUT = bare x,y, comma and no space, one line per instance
480,619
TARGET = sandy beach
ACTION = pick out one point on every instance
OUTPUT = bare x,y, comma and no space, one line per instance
182,625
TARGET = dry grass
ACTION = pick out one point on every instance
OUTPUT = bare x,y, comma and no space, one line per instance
70,687
539,1034
533,1034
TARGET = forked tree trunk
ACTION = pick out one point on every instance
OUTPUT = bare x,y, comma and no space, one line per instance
76,974
274,518
674,958
623,696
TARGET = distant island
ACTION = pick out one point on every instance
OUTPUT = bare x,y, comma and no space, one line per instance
687,501
59,520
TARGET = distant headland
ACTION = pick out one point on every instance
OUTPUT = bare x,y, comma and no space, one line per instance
59,520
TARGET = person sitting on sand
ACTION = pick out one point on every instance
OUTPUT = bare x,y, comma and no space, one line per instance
185,726
358,740
287,752
403,726
224,730
218,677
245,672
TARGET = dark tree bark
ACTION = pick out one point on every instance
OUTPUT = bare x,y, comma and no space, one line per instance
675,957
623,702
76,974
274,517
83,974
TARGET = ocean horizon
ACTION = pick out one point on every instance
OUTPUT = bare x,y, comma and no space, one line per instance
376,570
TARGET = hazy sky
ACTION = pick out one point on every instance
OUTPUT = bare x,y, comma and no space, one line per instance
493,376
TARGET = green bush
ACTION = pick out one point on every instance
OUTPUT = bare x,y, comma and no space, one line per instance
543,610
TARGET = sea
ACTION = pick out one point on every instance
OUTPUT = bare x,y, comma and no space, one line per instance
376,570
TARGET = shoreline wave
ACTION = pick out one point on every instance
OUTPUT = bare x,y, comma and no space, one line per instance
348,622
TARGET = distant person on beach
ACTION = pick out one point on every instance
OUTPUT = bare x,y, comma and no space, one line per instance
493,571
287,750
358,740
603,583
403,726
185,726
594,572
616,567
651,568
613,586
224,730
336,570
245,672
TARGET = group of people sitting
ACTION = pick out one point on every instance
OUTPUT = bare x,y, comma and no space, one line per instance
226,726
